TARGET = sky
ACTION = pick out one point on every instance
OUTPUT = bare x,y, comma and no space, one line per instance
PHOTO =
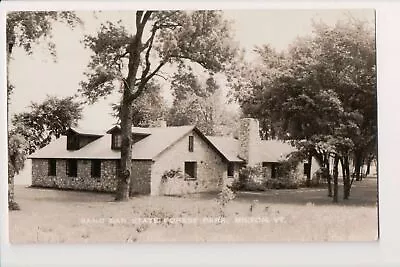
37,76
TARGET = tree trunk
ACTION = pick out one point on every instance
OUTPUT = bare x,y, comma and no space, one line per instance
12,205
357,164
335,179
346,177
328,176
308,179
135,49
124,175
368,167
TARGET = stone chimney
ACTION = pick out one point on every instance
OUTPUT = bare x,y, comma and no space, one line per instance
160,123
249,140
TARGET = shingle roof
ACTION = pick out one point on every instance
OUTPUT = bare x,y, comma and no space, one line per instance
268,151
82,131
159,140
228,146
274,150
146,149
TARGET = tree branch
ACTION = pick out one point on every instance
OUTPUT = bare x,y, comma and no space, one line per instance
146,17
142,83
200,62
138,19
161,76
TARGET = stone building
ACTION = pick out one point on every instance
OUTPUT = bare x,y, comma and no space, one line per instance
85,160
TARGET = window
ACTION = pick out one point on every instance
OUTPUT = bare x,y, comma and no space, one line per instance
116,141
96,168
231,169
191,139
52,167
274,169
191,170
72,168
72,142
306,168
265,164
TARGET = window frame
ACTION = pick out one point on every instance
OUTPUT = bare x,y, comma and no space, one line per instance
95,168
69,169
231,167
306,167
191,143
51,167
116,141
187,175
274,170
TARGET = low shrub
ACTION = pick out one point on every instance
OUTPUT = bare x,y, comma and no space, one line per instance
250,178
281,183
174,183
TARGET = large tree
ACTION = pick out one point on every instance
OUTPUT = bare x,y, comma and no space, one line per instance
46,121
26,29
322,95
160,38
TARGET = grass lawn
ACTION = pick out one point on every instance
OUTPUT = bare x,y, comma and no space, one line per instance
55,216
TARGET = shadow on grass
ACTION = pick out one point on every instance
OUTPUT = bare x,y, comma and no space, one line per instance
363,193
62,195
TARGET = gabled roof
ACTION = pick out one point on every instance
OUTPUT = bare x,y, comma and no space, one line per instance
228,146
268,150
82,131
135,130
158,140
148,148
274,150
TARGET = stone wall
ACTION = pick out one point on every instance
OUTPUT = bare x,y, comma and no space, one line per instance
141,176
106,183
249,140
211,168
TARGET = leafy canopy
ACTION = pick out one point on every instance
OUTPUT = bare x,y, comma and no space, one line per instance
173,37
46,121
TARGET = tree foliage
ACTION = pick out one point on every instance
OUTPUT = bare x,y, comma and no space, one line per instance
200,103
148,108
46,121
25,28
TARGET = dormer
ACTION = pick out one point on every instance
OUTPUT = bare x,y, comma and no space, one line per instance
116,138
138,134
76,138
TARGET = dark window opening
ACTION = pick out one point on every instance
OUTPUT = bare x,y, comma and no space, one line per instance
191,170
116,141
274,170
52,167
265,164
96,168
191,139
73,142
231,169
306,168
72,168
